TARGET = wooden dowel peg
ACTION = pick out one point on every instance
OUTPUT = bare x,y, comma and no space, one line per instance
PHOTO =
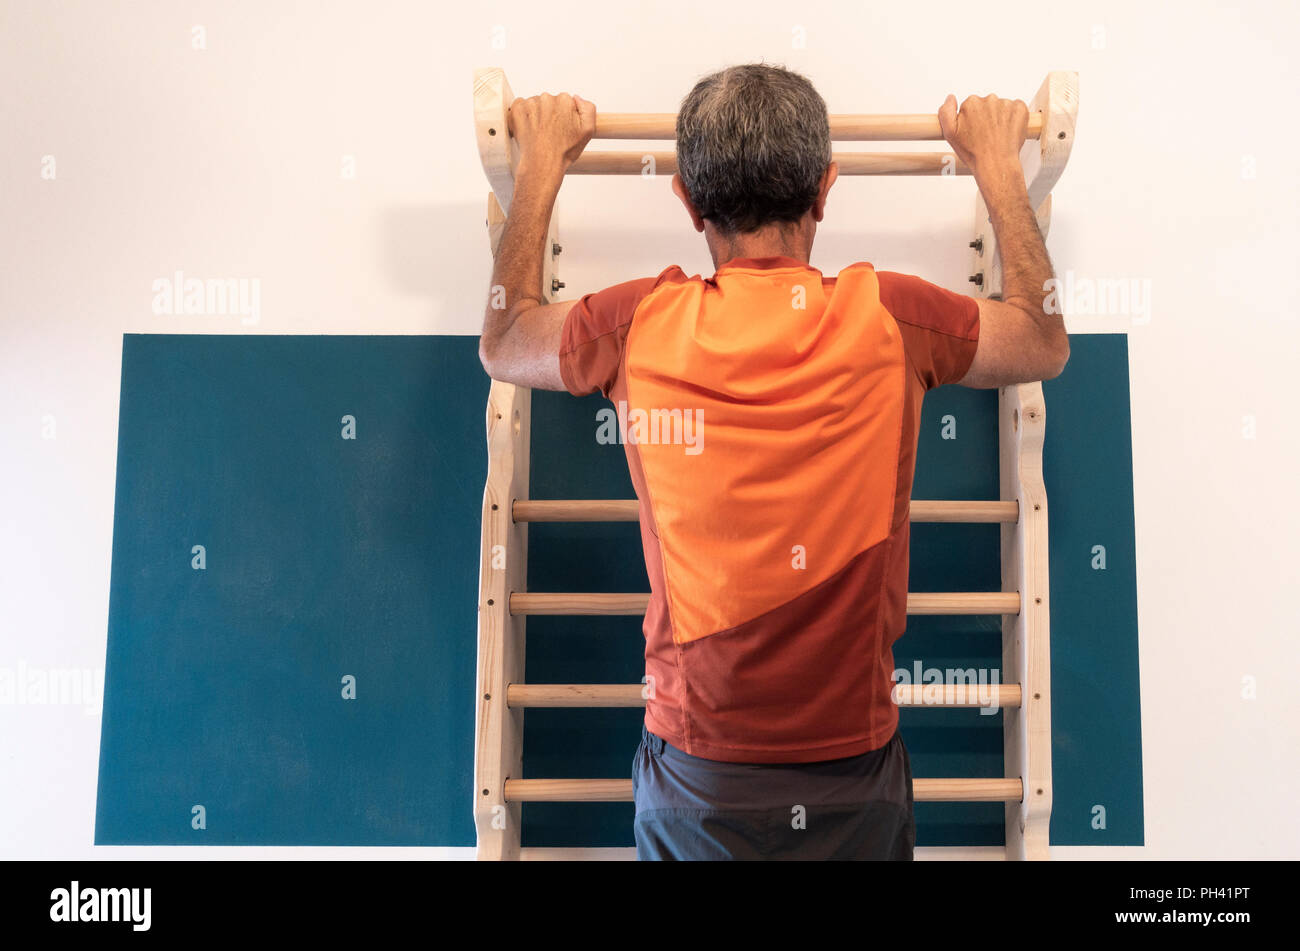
620,790
633,695
599,603
920,127
656,162
625,510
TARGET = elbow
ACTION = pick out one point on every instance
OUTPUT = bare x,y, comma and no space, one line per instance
1060,356
486,354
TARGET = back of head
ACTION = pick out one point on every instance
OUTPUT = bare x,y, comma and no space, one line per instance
753,142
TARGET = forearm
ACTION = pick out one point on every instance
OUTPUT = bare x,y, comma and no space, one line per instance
1026,267
518,269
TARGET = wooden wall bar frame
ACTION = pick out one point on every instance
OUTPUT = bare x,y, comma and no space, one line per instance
1021,512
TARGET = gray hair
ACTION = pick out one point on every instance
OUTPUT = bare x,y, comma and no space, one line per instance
753,142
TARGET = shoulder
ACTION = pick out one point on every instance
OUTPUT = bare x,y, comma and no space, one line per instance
940,328
605,311
912,300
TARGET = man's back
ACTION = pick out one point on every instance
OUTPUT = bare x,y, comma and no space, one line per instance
771,421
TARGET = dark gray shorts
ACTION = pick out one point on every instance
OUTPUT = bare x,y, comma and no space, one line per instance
859,807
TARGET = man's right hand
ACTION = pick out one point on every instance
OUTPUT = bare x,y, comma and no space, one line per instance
987,133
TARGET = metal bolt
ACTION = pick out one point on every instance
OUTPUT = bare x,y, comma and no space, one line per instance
555,248
978,245
556,284
977,279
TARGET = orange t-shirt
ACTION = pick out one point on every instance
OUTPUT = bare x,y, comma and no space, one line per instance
769,417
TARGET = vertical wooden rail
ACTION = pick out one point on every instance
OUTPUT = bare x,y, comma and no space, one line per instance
1026,655
503,557
1022,420
503,564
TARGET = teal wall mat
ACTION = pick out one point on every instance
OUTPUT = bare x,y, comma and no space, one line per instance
329,557
325,558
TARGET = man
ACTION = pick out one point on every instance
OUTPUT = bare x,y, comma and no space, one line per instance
776,414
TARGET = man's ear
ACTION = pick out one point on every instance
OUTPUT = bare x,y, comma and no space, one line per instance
679,188
828,179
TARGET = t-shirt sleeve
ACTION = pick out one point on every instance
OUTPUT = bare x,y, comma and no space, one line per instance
940,328
595,333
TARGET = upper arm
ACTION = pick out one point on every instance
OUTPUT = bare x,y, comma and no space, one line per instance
593,334
574,345
529,352
1013,348
940,328
974,341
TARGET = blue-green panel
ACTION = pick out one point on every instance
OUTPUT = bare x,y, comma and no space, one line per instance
329,557
325,558
1096,707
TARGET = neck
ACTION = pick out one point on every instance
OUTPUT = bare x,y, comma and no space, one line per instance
775,240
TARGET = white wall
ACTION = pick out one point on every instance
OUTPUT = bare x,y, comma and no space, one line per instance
225,162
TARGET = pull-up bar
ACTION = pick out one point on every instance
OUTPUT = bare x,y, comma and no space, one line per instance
866,128
1050,128
848,163
860,128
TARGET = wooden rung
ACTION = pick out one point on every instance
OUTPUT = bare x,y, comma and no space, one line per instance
590,603
625,510
957,695
920,127
632,695
575,695
620,790
848,163
922,853
574,510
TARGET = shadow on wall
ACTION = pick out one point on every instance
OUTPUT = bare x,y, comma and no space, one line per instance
942,257
426,252
427,249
